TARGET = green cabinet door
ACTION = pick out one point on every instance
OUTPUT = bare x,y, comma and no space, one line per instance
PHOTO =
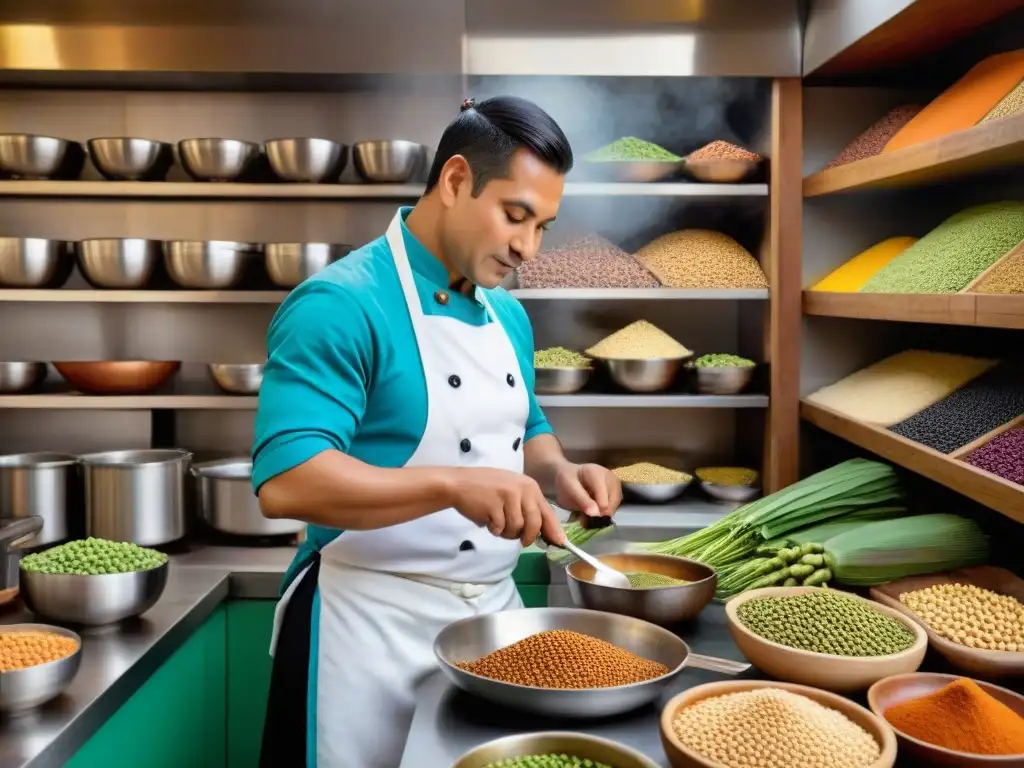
250,624
176,718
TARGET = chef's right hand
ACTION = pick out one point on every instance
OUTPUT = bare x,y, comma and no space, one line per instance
508,504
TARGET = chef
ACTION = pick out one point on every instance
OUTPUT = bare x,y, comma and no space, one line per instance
397,419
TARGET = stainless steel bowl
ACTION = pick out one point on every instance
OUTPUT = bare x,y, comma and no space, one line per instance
25,689
209,264
92,600
136,496
638,171
657,494
288,264
730,492
34,262
216,159
20,377
660,605
44,484
238,378
724,171
127,159
118,262
558,743
644,376
561,381
307,160
227,503
388,162
723,381
472,638
25,156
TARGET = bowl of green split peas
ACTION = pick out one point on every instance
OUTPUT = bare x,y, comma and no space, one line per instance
553,749
92,581
560,371
722,374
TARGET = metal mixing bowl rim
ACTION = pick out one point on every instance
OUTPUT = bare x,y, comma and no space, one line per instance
96,459
641,359
29,626
207,468
561,368
41,239
117,240
611,744
305,138
661,678
108,362
23,362
128,138
31,574
716,368
69,460
236,365
746,486
309,242
39,136
254,144
709,577
390,141
647,486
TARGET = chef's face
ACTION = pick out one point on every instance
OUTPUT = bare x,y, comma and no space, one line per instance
486,237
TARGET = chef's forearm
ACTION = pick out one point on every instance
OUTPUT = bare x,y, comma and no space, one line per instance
338,491
542,458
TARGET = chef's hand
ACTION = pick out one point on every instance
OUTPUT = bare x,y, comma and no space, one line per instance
589,489
508,504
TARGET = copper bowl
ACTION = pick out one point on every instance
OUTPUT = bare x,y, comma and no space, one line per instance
122,377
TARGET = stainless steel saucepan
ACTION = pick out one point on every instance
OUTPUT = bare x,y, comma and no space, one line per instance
227,503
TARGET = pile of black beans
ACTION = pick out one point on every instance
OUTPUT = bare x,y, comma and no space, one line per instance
984,404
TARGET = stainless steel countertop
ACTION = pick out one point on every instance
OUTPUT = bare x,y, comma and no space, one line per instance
117,660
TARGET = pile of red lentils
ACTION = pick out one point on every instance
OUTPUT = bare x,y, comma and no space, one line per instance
722,150
563,659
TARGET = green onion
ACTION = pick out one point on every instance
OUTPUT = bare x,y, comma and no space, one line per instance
578,535
883,551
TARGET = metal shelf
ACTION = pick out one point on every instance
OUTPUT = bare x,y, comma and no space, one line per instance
652,401
142,190
98,296
640,294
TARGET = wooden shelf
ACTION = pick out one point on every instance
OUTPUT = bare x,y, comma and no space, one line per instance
641,294
652,401
985,310
176,190
984,147
983,487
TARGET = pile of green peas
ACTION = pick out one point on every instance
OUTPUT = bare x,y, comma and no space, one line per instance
93,557
547,761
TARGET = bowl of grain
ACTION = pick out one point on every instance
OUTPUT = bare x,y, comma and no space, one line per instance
37,663
722,374
729,483
750,723
641,358
721,163
665,589
535,750
823,637
560,371
652,482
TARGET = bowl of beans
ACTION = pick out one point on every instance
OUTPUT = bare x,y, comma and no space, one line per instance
37,664
664,589
753,723
824,637
93,581
652,482
553,749
566,662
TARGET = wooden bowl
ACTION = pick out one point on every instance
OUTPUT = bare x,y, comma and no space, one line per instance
899,688
844,674
974,661
123,377
681,757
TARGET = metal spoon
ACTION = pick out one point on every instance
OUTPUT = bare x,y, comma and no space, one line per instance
604,575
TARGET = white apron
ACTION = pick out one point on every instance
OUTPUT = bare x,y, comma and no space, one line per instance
384,595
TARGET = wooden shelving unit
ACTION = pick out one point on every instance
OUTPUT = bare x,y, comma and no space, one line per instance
975,309
988,489
985,147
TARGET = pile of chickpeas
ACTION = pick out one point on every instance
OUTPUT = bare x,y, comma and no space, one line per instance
21,650
970,616
563,659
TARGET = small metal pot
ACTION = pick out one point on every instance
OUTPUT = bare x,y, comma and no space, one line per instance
227,503
46,485
136,496
14,534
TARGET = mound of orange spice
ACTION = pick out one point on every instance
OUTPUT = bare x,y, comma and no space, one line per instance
963,717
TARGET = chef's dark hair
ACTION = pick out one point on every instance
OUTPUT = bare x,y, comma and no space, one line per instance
488,134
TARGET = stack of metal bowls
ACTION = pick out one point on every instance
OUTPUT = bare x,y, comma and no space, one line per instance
34,262
238,378
130,159
306,160
25,156
217,159
92,600
388,162
24,689
288,264
18,378
118,262
208,264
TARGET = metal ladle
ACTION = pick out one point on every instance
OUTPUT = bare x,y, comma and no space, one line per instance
604,575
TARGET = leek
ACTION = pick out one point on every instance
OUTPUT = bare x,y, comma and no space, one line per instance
883,551
825,531
843,489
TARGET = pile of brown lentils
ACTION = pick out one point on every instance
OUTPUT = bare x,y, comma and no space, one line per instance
587,261
874,139
722,150
562,659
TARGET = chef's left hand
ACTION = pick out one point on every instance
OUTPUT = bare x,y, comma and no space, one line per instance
589,489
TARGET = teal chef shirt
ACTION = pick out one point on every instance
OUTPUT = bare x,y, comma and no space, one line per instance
343,369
